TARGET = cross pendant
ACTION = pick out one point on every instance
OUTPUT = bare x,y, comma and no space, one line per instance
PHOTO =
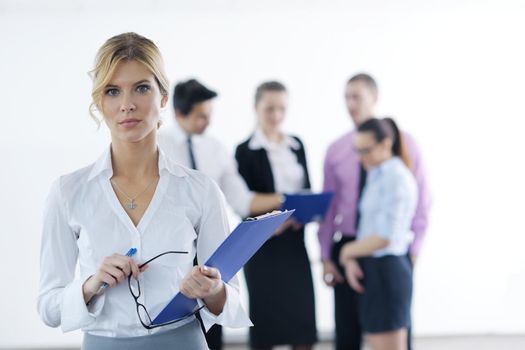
131,204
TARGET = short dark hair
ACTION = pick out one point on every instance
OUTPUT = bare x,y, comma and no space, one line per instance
365,78
187,94
266,87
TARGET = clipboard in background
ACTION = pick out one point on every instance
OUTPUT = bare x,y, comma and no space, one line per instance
308,206
229,258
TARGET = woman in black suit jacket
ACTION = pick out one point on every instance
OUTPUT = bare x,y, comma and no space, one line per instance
278,276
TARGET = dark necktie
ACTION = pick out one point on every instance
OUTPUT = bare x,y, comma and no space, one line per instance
193,164
362,183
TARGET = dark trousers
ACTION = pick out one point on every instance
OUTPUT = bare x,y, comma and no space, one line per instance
348,334
347,328
213,336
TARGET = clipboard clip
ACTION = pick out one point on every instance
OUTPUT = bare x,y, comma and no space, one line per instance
275,212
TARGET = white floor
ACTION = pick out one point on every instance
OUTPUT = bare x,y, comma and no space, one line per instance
514,342
444,343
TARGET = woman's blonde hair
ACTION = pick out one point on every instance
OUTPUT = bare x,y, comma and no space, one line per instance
122,47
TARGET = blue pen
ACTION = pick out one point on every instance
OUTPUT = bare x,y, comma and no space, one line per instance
104,285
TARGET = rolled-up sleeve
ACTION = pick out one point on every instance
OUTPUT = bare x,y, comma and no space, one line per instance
212,231
60,299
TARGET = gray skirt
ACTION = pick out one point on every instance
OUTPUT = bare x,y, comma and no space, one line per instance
187,337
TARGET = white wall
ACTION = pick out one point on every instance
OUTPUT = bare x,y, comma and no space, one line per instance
451,72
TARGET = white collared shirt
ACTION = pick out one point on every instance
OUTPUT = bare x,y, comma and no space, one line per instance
212,159
84,222
288,174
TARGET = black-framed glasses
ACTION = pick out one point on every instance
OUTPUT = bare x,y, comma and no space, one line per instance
365,150
142,312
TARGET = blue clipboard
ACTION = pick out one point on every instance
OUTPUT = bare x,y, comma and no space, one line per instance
308,206
229,258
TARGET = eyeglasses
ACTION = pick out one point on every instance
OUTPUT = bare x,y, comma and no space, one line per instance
365,151
143,314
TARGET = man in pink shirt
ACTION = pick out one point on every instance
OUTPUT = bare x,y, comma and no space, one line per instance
344,176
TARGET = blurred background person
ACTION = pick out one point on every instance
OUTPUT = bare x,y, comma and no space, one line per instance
279,279
375,263
344,176
187,143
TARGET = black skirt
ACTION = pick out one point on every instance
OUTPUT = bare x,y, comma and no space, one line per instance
385,305
281,293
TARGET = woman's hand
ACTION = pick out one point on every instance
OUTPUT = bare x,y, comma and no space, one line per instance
205,283
353,274
413,259
296,225
346,253
331,275
114,269
353,271
290,222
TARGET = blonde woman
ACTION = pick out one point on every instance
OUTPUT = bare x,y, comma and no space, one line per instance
133,197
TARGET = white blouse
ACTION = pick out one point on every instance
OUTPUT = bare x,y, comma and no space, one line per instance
84,222
288,174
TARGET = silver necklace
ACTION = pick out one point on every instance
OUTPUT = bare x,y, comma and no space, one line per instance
131,204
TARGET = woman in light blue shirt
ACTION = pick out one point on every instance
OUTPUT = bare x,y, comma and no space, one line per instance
383,274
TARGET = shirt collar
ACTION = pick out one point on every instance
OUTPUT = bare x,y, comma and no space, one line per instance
167,164
103,165
259,140
180,135
178,132
385,166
